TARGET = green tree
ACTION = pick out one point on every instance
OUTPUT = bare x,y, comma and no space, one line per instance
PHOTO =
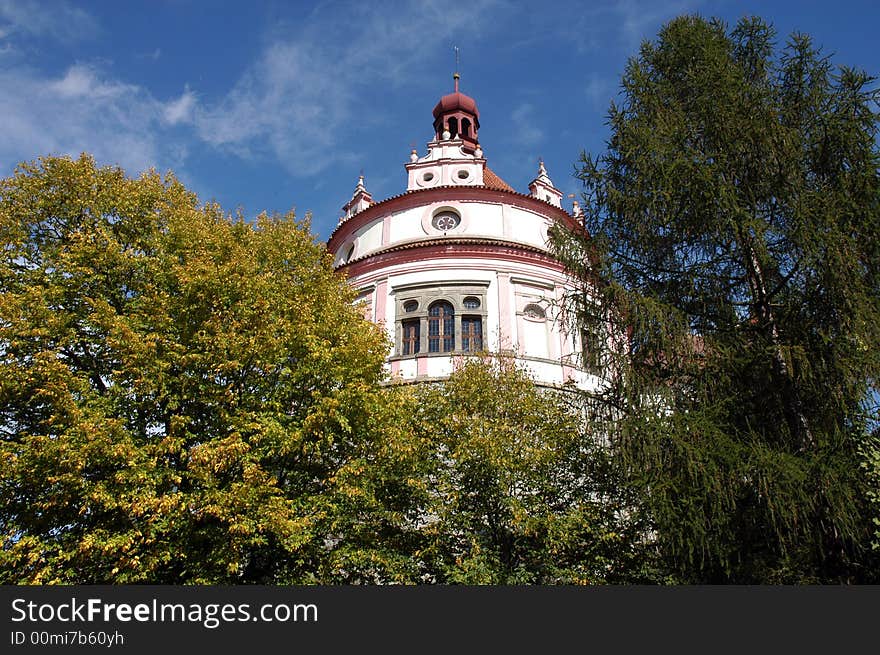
182,393
733,240
516,490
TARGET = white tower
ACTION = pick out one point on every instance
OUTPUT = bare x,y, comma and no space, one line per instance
459,263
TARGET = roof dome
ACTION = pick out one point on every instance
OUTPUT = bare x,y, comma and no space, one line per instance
456,101
456,117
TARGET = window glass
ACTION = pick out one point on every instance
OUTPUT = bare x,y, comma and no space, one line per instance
441,327
410,344
471,333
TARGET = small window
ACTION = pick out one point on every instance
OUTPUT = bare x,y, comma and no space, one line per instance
471,334
427,177
463,174
411,337
471,303
446,220
349,254
534,312
410,306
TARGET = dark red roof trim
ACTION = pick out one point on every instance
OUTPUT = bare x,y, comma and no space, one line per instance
449,247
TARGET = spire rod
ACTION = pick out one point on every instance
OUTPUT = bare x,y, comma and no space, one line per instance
455,75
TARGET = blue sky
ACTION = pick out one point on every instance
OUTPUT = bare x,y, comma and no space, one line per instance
278,105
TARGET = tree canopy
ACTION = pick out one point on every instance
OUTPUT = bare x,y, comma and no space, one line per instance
733,242
518,491
181,391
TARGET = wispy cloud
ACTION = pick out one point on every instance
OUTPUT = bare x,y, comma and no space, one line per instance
84,110
638,18
525,125
300,101
598,91
57,20
590,27
180,110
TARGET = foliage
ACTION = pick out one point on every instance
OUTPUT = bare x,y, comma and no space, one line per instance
517,490
733,224
183,394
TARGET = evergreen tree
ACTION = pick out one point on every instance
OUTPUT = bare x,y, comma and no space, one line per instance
733,245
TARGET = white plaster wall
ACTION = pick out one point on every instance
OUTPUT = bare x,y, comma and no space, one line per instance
406,225
510,286
479,219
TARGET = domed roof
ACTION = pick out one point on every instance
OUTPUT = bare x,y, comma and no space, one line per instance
456,101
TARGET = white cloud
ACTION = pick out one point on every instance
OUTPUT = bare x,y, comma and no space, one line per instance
300,100
180,110
613,24
638,18
57,20
83,111
525,125
598,91
82,81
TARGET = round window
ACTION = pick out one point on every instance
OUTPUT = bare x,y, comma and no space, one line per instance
427,177
446,220
463,174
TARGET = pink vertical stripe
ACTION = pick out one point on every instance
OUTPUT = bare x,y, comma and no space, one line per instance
504,314
381,301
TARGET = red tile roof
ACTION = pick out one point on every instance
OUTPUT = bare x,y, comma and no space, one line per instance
491,180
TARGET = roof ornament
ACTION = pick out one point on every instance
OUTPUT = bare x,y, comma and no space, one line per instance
455,75
360,199
576,210
542,187
542,173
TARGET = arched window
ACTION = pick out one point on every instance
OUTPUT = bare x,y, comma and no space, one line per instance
534,312
465,128
453,127
441,327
